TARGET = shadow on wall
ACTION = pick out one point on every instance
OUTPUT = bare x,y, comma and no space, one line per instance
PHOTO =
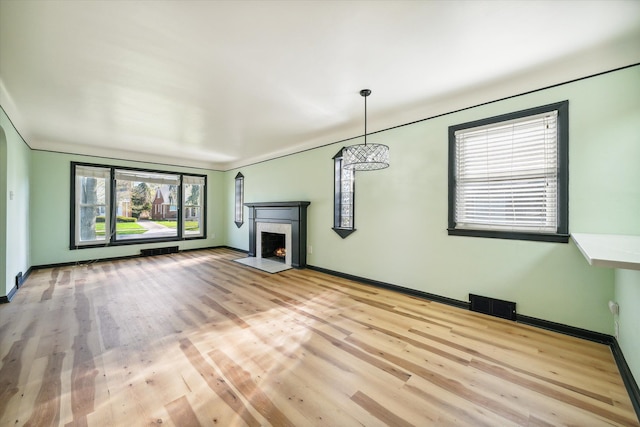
561,278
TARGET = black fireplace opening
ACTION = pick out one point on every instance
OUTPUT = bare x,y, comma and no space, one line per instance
273,246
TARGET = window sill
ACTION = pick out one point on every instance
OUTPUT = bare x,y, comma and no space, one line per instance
133,242
509,235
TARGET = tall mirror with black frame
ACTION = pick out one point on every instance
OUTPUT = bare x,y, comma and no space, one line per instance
343,197
239,200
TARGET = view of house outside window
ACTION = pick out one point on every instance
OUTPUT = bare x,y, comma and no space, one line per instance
146,205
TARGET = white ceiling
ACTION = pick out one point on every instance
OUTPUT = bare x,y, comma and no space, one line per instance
222,84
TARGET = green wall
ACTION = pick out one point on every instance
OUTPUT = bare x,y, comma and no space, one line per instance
15,159
628,297
50,210
3,212
401,212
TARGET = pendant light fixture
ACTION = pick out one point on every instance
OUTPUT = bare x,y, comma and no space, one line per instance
365,157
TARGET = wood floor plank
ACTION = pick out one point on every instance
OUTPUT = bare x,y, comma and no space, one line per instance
217,383
243,382
380,412
451,409
195,338
182,413
21,406
47,405
10,374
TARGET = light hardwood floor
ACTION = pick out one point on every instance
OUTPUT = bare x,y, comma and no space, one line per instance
196,339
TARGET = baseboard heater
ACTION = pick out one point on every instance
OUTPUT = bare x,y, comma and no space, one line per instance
159,251
493,307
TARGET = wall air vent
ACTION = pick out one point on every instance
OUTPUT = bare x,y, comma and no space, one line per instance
19,279
493,307
159,251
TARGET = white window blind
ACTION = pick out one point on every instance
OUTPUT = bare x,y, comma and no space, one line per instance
149,177
506,175
93,172
190,179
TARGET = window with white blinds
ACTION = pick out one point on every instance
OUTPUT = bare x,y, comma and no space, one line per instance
507,174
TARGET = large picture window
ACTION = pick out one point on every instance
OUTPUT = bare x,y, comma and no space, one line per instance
508,176
122,205
146,205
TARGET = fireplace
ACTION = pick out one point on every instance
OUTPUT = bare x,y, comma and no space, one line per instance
274,246
287,220
271,236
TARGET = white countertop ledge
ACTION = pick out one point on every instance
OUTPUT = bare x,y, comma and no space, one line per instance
609,250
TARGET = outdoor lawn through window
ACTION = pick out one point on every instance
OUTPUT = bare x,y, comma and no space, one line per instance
150,198
123,205
122,228
136,228
193,226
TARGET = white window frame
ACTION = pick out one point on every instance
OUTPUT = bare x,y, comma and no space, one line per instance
508,175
